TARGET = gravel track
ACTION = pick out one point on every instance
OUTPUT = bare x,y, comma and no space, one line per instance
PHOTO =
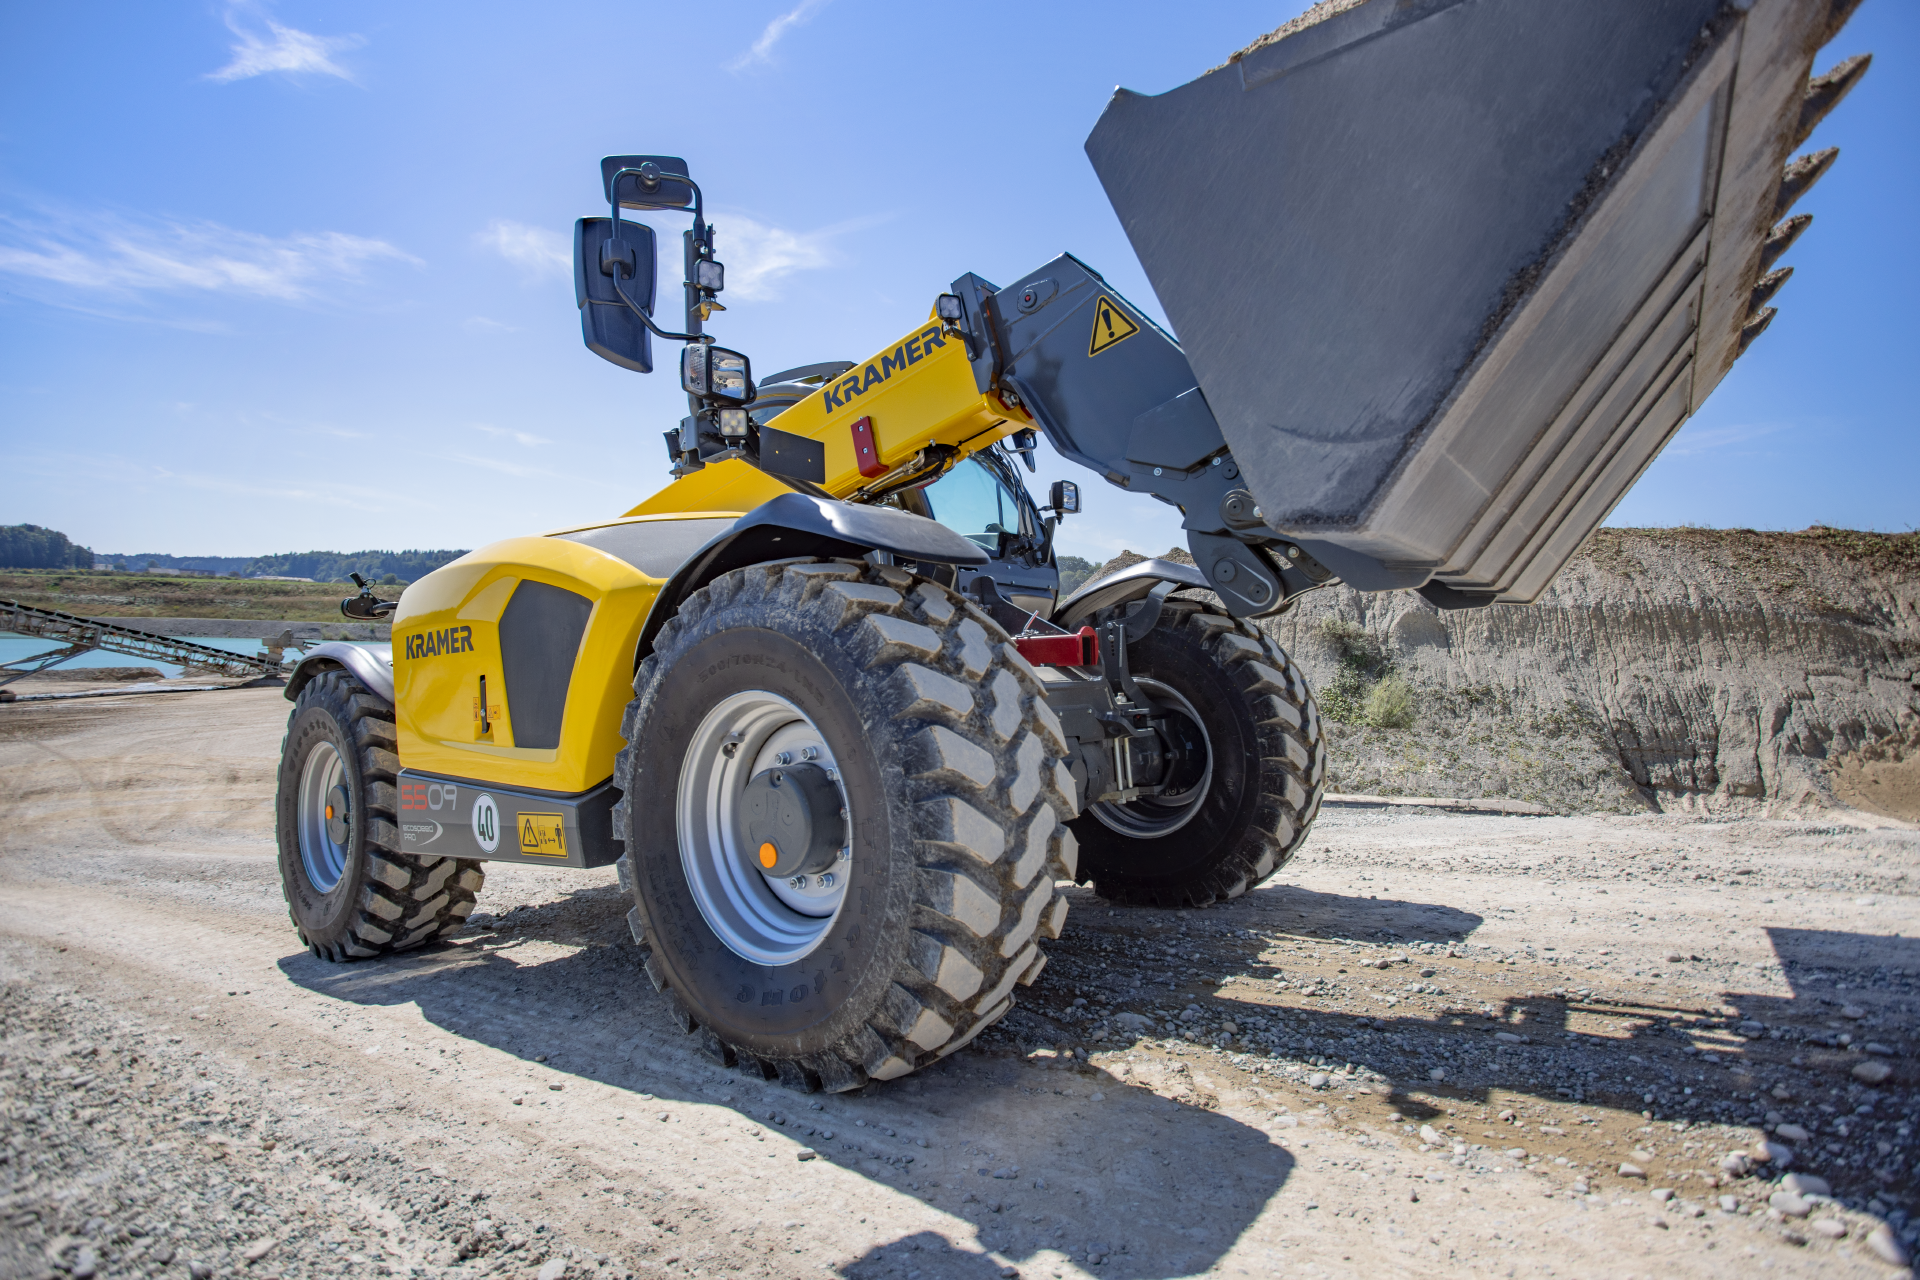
184,1085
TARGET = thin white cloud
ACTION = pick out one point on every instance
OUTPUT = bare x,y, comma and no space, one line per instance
759,256
1698,440
762,50
250,486
504,433
482,324
123,256
537,251
503,467
288,52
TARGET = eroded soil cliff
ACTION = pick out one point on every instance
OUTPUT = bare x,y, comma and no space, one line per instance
1715,669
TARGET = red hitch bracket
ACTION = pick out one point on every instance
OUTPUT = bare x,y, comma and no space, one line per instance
1072,649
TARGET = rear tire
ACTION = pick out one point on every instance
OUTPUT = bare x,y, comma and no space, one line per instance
950,768
1268,762
349,893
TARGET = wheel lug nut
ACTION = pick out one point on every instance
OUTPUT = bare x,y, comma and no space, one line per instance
826,879
797,882
785,757
809,753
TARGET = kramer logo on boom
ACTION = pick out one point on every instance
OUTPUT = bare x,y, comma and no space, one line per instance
912,351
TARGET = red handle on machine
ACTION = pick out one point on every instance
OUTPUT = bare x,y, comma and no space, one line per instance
1074,649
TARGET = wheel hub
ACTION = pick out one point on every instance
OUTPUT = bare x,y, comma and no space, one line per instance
731,818
1182,766
338,813
323,816
790,816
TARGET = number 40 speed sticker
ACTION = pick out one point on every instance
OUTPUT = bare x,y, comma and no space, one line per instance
486,822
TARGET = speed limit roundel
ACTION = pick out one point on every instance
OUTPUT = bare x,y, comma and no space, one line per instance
486,822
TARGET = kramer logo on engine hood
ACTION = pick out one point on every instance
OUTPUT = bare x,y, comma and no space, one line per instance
431,644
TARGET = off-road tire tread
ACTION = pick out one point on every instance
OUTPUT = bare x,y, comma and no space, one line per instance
976,769
1293,751
404,901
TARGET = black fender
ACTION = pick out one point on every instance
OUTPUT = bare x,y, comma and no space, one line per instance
798,524
1123,586
371,665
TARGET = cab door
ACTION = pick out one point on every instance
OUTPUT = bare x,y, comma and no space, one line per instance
982,501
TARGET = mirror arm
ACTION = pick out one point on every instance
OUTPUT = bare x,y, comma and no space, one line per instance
613,184
699,227
647,320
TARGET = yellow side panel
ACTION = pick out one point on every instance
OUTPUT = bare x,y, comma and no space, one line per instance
919,392
719,486
446,636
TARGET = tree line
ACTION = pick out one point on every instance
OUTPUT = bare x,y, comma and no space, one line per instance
29,546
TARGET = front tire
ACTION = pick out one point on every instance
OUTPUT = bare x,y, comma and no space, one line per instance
1258,773
949,766
349,893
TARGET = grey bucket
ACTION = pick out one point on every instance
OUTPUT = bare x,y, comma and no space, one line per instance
1450,273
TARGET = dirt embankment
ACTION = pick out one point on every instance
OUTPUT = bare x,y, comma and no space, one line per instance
1692,668
137,595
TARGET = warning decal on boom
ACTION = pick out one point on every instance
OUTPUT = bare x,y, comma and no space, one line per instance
1110,325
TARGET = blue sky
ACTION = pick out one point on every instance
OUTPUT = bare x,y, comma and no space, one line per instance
296,275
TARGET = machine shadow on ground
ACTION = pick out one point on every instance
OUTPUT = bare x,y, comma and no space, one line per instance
1137,1170
1031,1157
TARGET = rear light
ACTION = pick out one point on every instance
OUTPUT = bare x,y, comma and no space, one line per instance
1080,649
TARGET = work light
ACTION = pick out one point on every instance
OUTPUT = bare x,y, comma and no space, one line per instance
716,372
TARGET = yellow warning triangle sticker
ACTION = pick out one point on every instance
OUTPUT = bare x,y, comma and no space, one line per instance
1110,325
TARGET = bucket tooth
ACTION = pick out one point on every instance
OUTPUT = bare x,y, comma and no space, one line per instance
1768,286
1754,328
1837,14
1801,174
1781,239
1824,93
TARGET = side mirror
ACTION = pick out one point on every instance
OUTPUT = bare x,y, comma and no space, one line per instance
1024,442
653,187
607,324
1064,497
715,373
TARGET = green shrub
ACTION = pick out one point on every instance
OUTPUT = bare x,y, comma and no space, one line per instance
1390,704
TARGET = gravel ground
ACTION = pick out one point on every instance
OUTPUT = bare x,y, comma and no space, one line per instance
1449,1043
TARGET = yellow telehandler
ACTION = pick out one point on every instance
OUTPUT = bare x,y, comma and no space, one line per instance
1448,276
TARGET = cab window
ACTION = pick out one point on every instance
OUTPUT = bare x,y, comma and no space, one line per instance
975,505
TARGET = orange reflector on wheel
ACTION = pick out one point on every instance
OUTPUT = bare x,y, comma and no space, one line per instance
768,854
329,813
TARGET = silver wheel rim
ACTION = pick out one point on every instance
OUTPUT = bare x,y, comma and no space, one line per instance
323,859
1153,816
760,918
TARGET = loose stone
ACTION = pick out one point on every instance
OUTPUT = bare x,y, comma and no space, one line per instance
1805,1184
1790,1204
1872,1071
